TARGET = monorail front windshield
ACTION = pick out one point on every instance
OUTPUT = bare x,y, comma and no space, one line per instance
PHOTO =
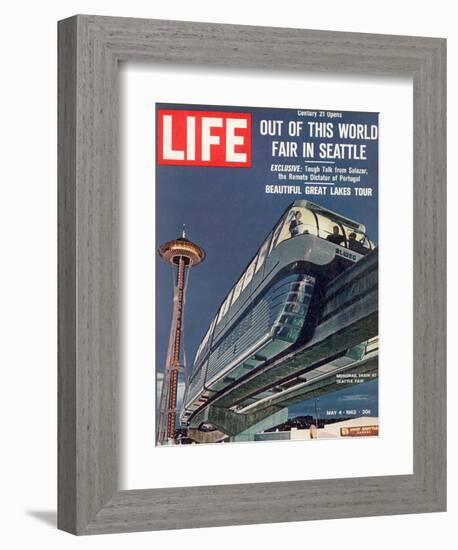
300,220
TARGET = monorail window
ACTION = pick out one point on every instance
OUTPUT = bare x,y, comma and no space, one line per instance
202,344
210,331
299,221
207,335
225,306
237,289
220,314
344,235
262,254
198,352
331,230
277,231
249,274
358,242
205,339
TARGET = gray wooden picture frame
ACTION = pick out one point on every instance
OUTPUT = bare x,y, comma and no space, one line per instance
90,49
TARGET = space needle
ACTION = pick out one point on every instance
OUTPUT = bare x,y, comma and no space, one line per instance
181,254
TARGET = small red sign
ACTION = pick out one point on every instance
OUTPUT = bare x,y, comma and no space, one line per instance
203,138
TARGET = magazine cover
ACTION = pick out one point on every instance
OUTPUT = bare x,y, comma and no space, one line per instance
266,275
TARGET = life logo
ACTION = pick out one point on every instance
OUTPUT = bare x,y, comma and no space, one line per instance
203,138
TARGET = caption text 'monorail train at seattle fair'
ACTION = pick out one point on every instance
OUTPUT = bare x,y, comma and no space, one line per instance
275,304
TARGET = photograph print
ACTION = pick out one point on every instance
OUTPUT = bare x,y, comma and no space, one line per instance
266,274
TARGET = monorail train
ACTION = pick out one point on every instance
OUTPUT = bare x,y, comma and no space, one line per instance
275,303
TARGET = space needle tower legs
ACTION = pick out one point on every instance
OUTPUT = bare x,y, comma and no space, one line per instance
181,254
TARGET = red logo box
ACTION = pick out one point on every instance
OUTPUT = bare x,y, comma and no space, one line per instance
203,138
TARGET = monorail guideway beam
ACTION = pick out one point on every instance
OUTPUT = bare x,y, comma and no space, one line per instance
310,389
348,329
230,423
350,316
